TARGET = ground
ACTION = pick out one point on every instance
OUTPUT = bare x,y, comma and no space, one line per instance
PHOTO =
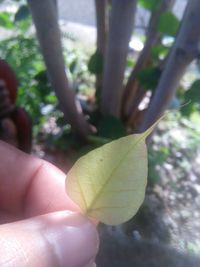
167,226
165,232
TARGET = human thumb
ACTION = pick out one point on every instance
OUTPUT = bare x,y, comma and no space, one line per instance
63,239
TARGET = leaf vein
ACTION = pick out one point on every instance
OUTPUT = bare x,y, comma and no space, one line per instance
141,137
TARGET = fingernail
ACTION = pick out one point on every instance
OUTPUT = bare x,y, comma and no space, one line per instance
73,238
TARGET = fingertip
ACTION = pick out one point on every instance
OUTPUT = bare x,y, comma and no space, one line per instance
57,239
75,240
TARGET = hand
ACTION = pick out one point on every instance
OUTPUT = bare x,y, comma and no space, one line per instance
39,225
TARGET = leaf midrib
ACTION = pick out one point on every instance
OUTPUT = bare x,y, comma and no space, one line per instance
143,136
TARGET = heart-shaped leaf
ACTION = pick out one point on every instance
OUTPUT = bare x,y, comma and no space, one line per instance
109,182
22,13
168,24
95,64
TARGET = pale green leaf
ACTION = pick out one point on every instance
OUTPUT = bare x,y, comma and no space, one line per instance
109,183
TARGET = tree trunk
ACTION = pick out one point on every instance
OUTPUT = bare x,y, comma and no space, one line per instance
153,38
45,19
184,51
120,29
56,6
102,29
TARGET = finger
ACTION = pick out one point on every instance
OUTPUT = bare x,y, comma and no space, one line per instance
56,239
30,185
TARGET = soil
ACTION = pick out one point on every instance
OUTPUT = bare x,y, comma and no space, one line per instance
166,230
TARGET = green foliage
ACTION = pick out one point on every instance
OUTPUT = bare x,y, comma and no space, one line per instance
35,94
73,65
193,94
110,127
21,51
159,52
76,60
149,77
193,247
130,62
168,24
157,156
6,20
22,13
188,109
22,54
173,145
150,4
95,64
192,99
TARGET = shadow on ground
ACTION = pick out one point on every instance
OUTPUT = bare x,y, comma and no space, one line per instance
117,250
144,241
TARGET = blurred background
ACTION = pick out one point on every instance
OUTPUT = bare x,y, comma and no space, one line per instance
75,75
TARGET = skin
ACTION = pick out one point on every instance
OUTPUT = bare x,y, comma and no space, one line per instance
40,225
